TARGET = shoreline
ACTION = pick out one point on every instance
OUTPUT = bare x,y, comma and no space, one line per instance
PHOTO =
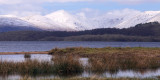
16,53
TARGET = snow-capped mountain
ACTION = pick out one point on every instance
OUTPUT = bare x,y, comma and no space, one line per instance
59,20
13,23
8,20
41,22
64,21
144,17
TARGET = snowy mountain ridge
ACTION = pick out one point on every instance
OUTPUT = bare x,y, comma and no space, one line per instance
64,21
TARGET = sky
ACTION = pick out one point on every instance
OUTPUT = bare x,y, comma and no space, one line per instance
43,7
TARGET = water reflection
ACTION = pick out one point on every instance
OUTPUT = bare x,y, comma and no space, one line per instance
45,57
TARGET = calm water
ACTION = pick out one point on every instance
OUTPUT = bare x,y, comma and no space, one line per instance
84,61
19,46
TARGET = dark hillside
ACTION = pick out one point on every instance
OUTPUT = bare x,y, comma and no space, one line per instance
141,32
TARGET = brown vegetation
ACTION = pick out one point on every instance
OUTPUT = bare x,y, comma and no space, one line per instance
29,67
67,65
114,59
62,66
66,61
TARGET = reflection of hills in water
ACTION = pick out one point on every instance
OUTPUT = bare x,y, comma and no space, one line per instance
145,73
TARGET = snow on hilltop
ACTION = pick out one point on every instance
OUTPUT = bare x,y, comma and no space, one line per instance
64,21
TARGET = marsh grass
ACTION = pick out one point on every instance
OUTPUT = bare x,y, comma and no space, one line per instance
66,61
29,67
67,65
35,67
62,66
114,59
127,61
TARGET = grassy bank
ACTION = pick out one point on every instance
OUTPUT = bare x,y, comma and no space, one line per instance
91,52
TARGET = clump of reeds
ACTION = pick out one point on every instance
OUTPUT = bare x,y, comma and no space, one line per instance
35,67
97,65
62,65
7,67
27,55
29,67
102,64
67,65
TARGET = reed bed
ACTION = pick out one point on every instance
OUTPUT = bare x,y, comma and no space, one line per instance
114,59
29,67
127,61
67,65
62,66
66,61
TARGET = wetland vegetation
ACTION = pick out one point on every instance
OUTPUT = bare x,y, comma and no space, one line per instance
114,59
66,62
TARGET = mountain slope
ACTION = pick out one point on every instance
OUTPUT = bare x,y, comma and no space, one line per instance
12,23
144,17
66,20
42,22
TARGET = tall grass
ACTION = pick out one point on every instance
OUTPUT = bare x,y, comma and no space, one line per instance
35,67
62,66
29,67
66,61
126,61
67,65
114,59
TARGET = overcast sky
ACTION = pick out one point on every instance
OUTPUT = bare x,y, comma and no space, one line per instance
43,7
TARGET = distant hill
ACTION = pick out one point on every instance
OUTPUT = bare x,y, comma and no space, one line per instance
141,32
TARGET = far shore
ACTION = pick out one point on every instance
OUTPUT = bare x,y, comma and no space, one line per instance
14,53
